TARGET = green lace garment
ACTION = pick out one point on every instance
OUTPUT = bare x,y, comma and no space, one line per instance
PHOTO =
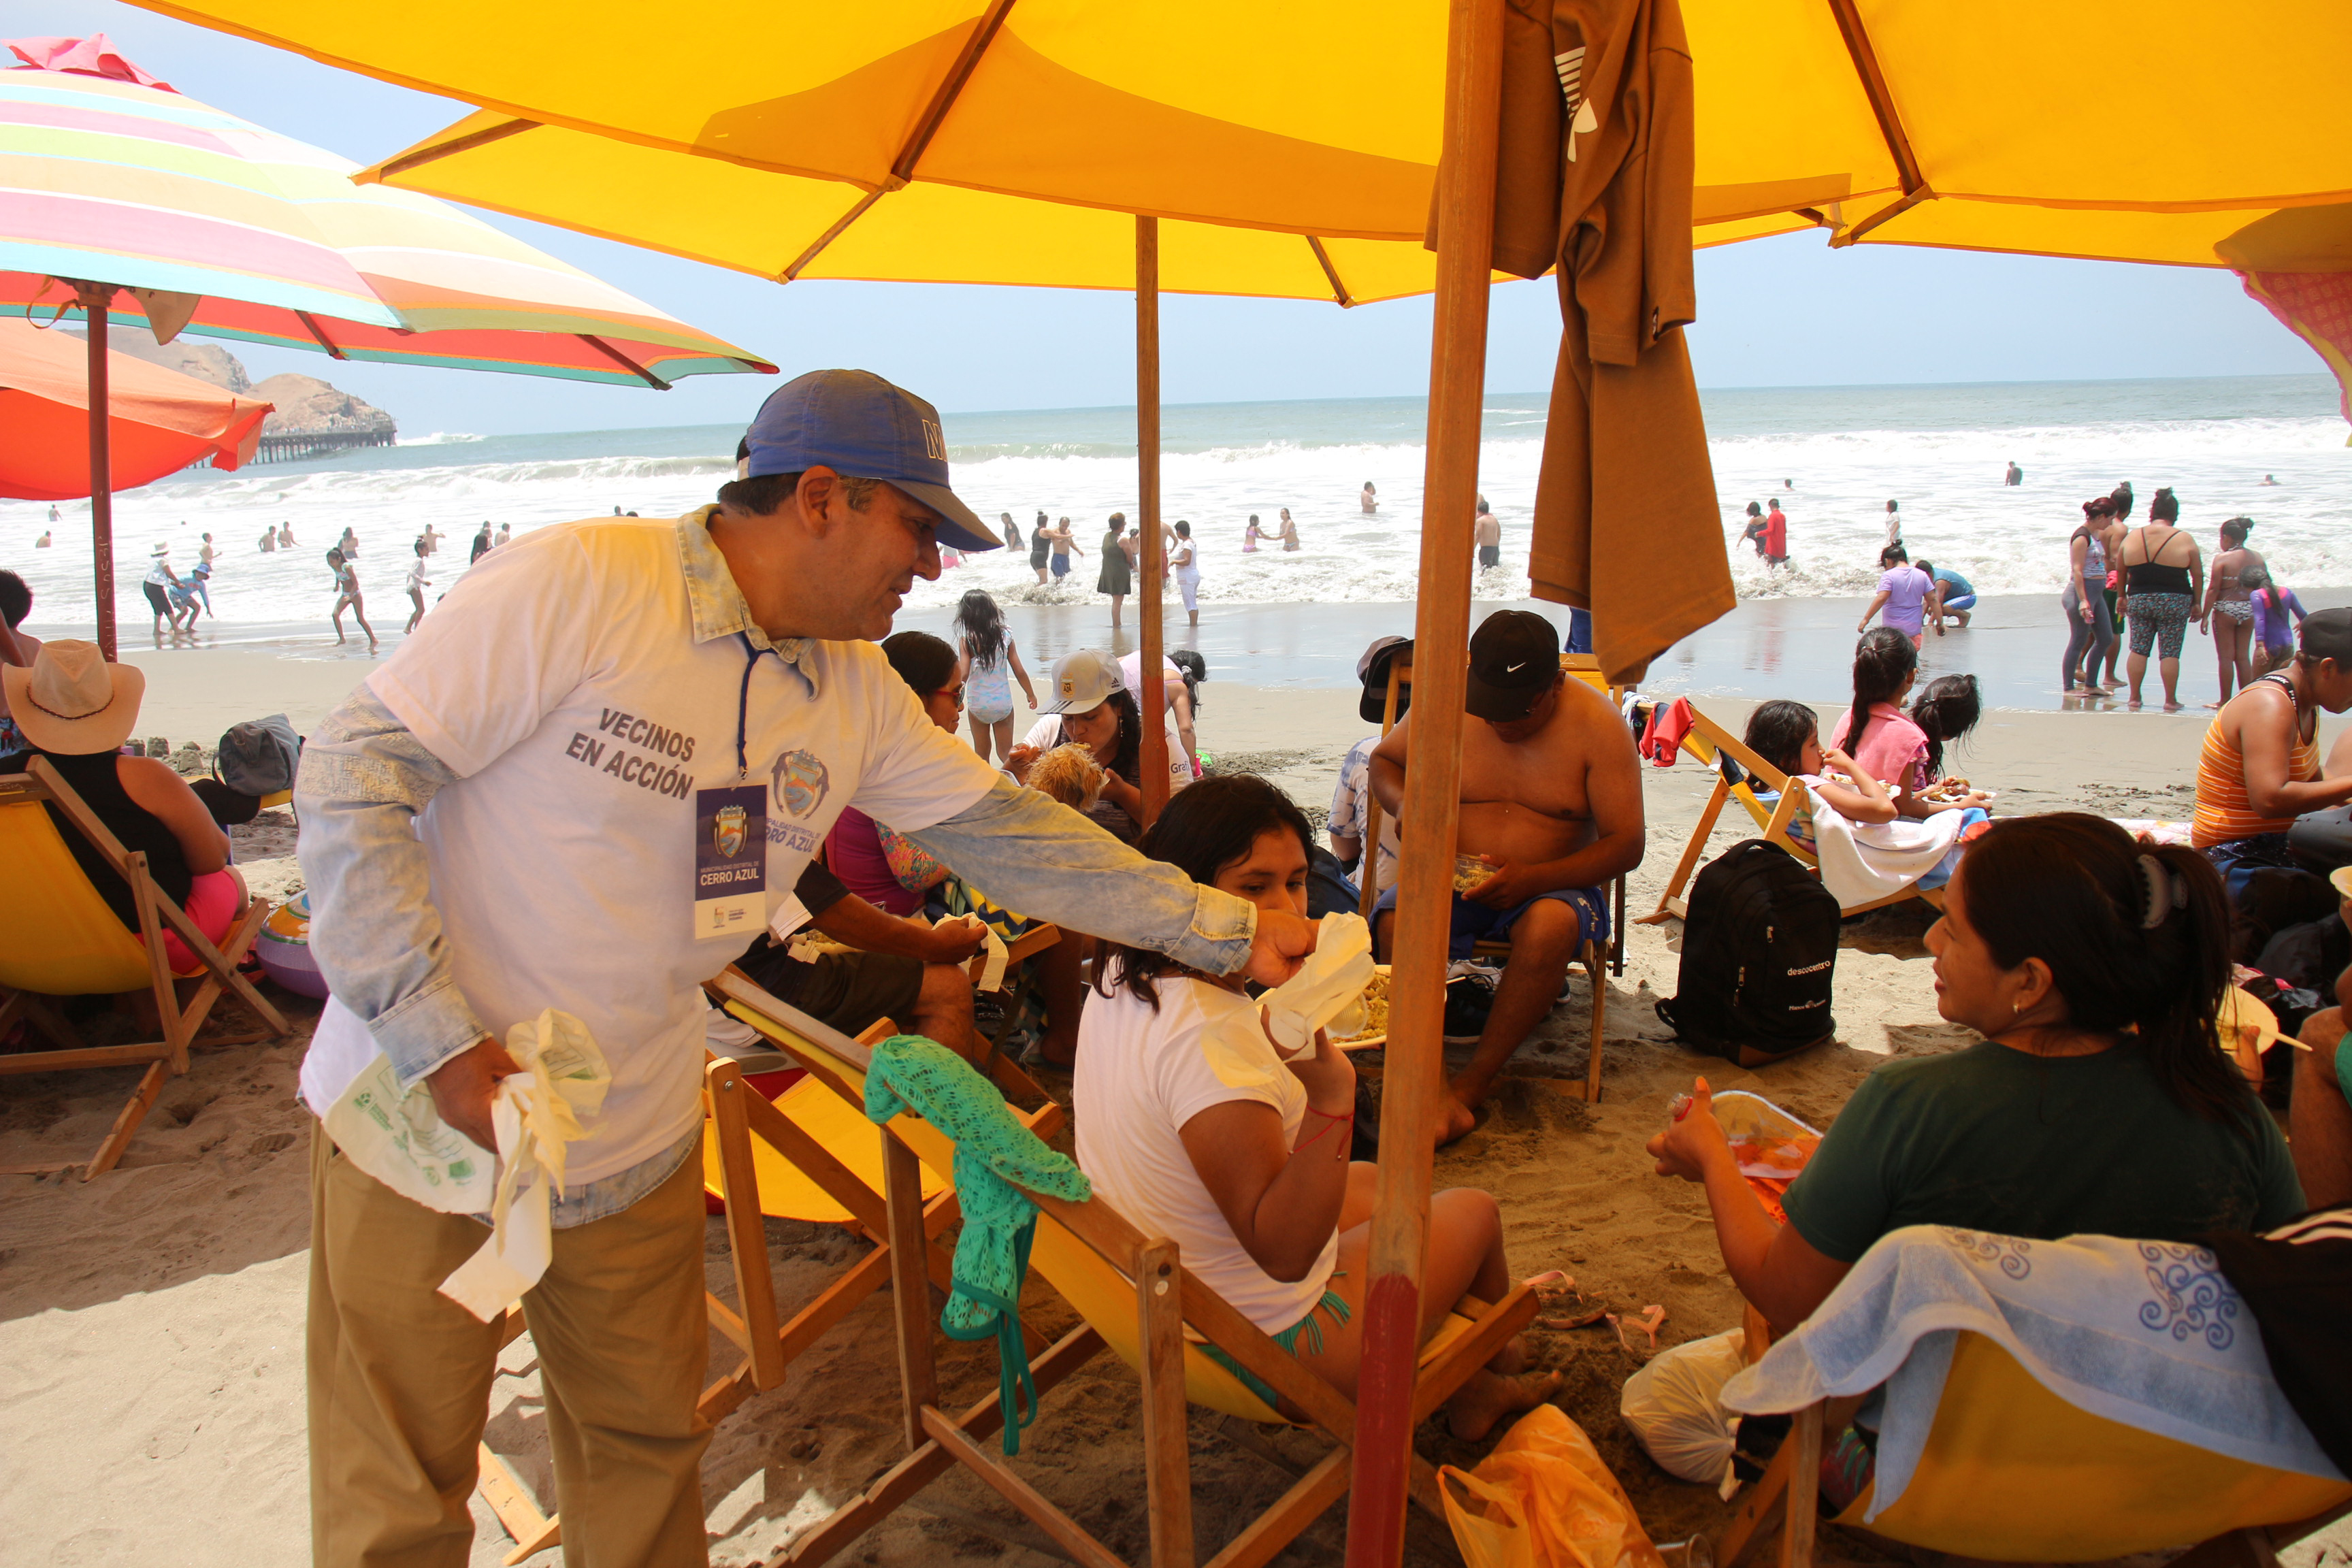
992,1151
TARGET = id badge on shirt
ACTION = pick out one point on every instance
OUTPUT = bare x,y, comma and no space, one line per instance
730,862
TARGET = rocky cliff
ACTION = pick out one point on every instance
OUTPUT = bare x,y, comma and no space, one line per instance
307,403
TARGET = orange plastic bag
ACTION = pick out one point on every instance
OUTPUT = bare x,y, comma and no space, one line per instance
1544,1499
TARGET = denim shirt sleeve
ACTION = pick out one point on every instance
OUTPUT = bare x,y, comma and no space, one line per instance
374,927
1029,852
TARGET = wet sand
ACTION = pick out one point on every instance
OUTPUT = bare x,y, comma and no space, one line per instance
1795,647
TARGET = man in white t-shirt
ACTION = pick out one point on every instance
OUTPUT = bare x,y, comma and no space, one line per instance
584,783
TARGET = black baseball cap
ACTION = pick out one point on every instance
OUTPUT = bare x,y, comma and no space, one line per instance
1372,669
1513,660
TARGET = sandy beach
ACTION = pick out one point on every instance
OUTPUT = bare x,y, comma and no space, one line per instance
151,1323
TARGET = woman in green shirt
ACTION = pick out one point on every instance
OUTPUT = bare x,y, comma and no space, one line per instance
2100,1102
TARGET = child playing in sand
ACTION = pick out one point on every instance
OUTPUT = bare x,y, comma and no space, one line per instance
991,662
1199,1128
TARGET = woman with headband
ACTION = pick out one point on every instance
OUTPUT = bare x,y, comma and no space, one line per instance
2098,1101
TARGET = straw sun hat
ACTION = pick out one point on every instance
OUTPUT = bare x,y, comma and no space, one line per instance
72,701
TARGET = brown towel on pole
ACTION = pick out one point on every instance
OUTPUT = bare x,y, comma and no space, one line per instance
1595,178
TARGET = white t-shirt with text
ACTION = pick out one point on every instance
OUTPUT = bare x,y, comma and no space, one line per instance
1140,1076
562,681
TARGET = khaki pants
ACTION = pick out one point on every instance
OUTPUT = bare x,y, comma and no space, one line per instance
400,1377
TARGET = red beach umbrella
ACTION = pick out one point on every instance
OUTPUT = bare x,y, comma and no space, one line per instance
158,421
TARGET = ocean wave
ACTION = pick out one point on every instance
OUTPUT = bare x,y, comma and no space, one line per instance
1833,484
439,438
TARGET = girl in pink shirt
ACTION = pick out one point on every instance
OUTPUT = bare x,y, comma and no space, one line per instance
1886,742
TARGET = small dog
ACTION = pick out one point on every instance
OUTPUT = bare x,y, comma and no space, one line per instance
1070,775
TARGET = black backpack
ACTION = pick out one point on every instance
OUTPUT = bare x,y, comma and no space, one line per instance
258,757
1759,955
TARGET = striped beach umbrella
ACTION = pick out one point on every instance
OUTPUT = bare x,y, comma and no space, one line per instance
145,188
123,200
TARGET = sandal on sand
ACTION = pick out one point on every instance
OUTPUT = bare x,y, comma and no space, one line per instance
1554,1288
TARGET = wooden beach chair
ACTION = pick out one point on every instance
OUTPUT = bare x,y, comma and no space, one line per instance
1020,985
1595,958
58,938
2013,1472
1716,746
811,1155
1134,1298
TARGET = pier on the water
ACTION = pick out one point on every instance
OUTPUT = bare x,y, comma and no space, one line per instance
295,445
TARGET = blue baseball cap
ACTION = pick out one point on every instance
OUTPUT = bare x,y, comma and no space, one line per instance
861,426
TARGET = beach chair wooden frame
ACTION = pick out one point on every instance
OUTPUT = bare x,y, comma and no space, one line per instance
1790,1515
1172,1314
1591,955
1020,982
1713,744
58,938
770,1342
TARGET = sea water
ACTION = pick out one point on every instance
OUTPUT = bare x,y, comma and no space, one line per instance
1832,457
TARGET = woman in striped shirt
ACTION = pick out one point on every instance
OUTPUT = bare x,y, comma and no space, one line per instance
2260,768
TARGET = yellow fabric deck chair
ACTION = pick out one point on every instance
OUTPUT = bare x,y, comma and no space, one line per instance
1134,1298
1711,744
1593,956
58,938
811,1156
2014,1473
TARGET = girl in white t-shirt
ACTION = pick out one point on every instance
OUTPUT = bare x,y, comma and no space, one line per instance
1196,1127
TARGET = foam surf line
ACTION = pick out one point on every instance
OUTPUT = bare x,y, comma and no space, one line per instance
1955,511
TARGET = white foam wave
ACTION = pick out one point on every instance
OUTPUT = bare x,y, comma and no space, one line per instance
439,438
1955,511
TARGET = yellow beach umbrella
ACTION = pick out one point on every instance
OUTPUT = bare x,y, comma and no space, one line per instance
2014,126
792,227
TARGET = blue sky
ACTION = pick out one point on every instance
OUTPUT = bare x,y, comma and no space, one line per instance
1779,312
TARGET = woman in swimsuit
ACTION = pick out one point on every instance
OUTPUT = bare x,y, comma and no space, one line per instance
347,592
2260,767
1289,531
2163,578
1041,545
2229,612
2112,536
2088,630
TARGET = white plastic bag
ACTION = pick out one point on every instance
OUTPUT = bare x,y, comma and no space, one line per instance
1330,983
1674,1406
401,1141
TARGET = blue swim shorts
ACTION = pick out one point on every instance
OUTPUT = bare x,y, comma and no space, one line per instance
1965,602
1475,922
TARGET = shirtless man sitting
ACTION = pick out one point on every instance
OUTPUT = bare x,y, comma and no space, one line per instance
1551,796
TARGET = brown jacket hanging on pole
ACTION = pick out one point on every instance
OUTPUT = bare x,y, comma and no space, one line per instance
1595,178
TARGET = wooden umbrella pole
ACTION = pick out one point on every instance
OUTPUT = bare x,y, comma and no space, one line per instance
1152,701
1414,1077
94,297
